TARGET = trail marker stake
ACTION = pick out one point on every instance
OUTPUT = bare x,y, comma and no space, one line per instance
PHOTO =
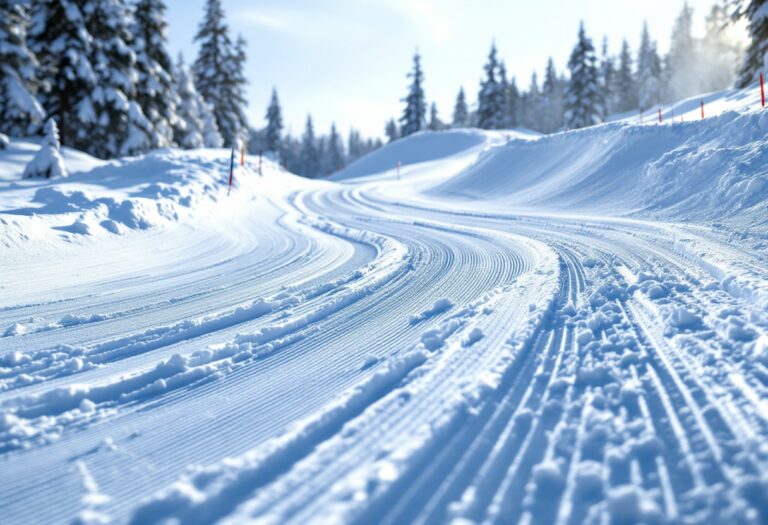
762,90
659,115
242,155
702,110
261,155
231,170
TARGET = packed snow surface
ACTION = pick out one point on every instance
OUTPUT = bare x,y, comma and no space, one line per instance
506,329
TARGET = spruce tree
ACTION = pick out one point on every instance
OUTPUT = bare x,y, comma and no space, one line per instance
155,87
532,116
415,113
60,41
47,162
490,104
391,131
189,134
514,105
120,127
355,146
219,73
756,58
335,152
649,72
21,113
434,120
608,79
552,100
504,98
626,86
460,111
274,132
583,99
310,158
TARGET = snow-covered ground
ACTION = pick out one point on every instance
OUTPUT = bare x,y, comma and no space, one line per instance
506,329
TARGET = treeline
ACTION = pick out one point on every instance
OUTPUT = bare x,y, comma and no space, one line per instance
598,86
310,155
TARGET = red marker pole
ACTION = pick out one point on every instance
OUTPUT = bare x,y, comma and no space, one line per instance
762,90
231,170
702,110
659,115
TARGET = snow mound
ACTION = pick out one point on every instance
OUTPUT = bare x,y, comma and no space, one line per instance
419,147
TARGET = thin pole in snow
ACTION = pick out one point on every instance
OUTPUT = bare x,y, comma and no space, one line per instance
242,155
659,115
398,170
261,154
231,170
702,110
762,90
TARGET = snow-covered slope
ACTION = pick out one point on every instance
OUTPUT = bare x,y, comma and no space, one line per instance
568,329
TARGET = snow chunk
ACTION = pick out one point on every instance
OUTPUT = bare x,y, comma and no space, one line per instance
440,306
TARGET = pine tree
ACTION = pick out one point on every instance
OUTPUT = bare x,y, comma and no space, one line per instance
434,120
608,79
552,97
355,146
120,128
239,83
391,131
683,58
47,162
756,59
532,115
310,158
514,105
415,114
490,104
504,88
155,87
460,111
59,39
219,73
648,72
21,113
335,152
583,99
211,135
626,87
274,124
190,110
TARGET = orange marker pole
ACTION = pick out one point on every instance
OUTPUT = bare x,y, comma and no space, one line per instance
702,110
762,90
242,155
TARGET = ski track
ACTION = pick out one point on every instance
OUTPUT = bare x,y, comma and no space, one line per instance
360,358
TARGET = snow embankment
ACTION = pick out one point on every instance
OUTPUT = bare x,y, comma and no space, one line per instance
114,197
703,170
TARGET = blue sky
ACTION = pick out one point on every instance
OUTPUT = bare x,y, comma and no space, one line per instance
346,60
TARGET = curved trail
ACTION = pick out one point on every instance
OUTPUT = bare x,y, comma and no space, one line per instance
362,356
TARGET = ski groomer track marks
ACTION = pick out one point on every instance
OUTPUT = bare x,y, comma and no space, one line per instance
364,358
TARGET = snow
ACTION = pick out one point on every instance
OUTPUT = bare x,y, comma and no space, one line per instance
529,329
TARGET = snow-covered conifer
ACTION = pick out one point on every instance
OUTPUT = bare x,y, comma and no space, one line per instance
648,72
309,157
460,110
608,79
274,132
434,121
514,103
59,39
211,135
219,72
189,133
391,131
583,99
334,155
20,112
626,85
552,100
47,162
415,114
720,50
756,59
683,60
156,90
490,104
